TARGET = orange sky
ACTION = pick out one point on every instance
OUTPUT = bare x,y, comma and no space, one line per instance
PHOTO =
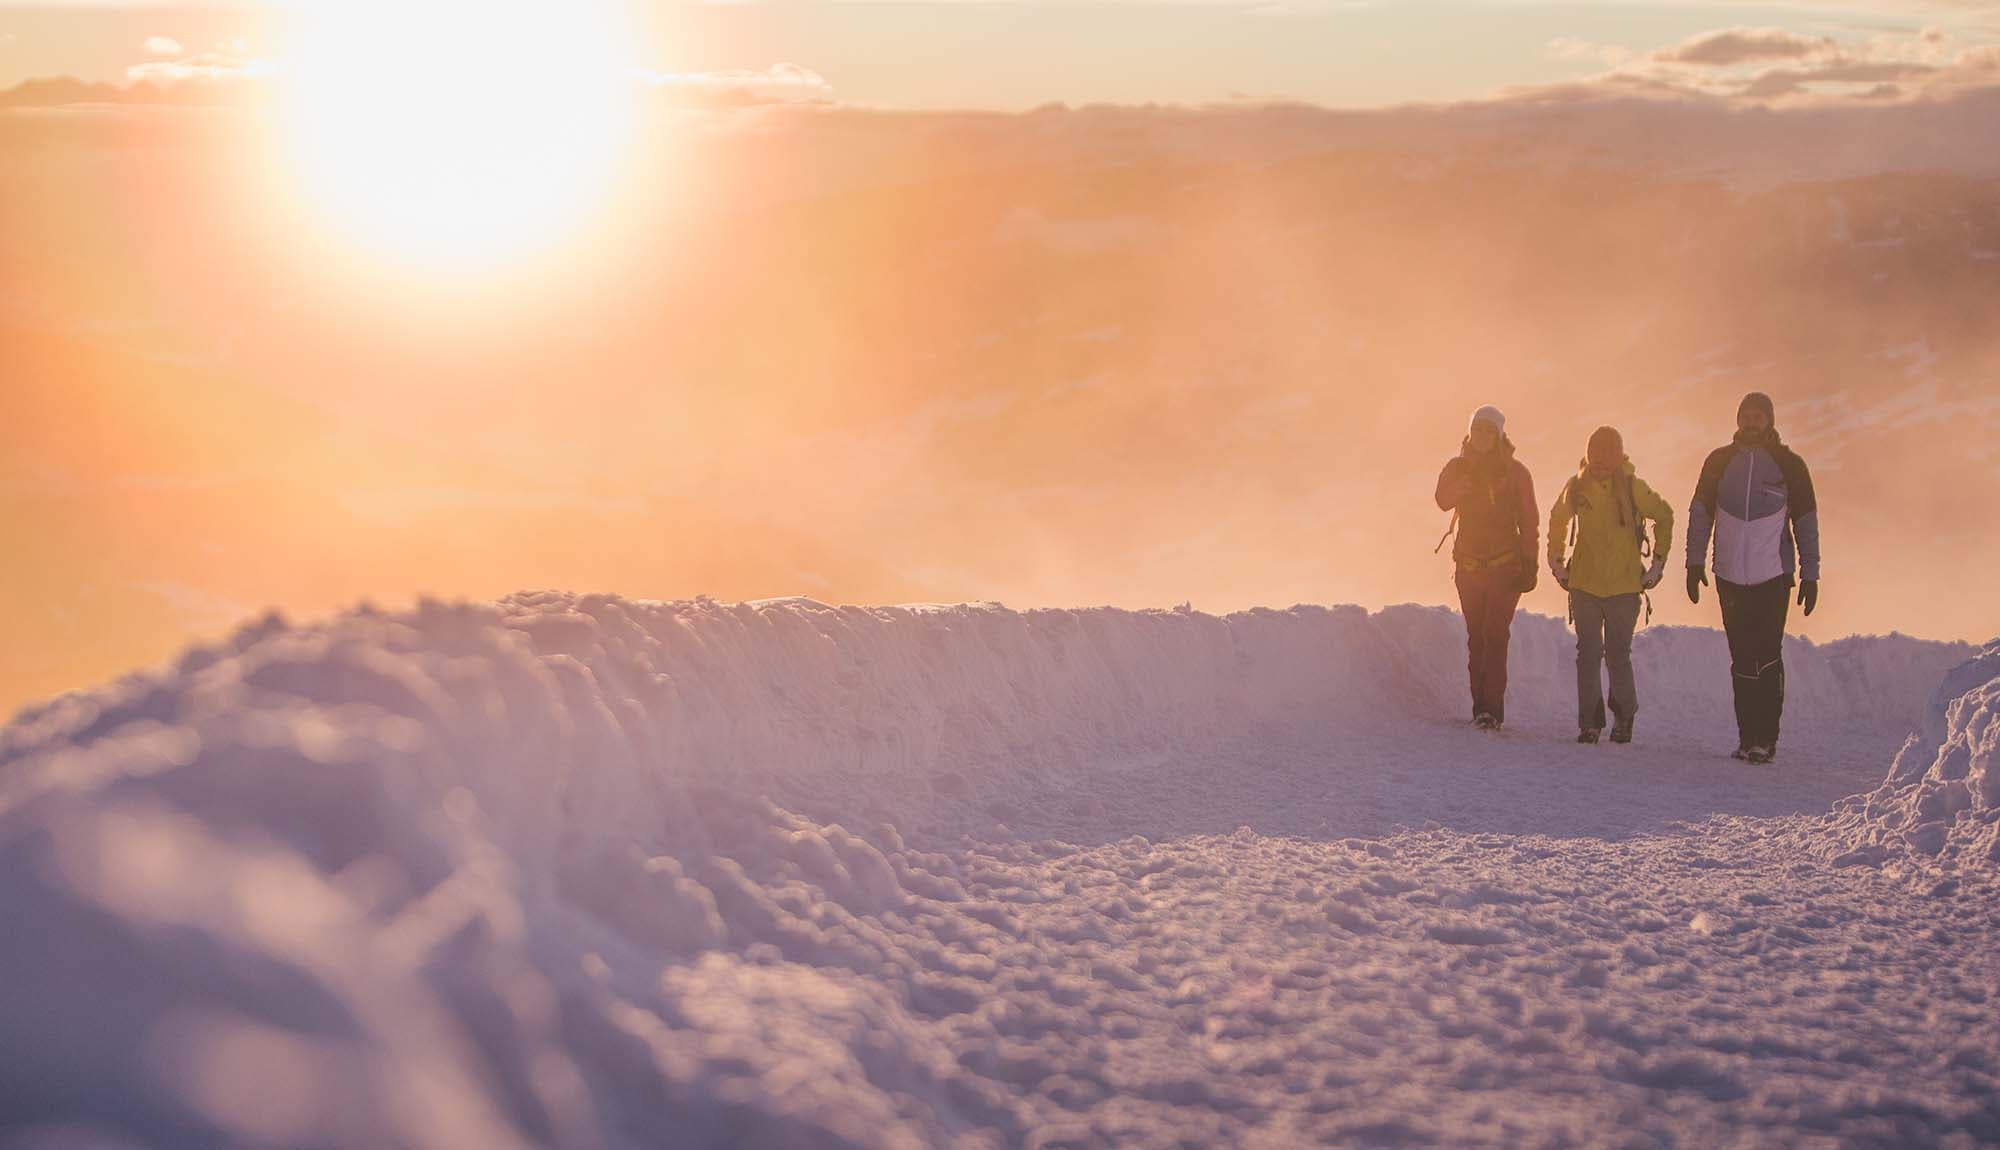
1105,355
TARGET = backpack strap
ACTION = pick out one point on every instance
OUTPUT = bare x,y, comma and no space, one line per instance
1449,529
1569,498
1639,535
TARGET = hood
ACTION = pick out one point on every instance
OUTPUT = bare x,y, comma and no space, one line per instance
1583,470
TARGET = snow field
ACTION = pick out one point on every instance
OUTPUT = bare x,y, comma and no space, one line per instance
581,871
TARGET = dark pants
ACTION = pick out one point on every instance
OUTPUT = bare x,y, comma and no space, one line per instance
1754,619
1487,597
1604,639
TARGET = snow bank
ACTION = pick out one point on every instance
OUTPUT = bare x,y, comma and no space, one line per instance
610,707
518,873
1941,798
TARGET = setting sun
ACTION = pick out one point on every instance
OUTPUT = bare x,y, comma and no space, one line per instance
454,134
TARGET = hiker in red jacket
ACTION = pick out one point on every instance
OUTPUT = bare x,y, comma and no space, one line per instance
1492,500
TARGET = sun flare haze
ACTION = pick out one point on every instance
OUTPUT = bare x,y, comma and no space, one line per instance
999,574
452,133
314,303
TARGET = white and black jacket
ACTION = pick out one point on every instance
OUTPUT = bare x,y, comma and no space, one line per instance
1758,504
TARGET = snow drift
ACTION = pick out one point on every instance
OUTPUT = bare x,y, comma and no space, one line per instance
1942,795
578,870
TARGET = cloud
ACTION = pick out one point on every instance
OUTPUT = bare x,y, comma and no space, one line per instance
230,74
217,78
65,91
782,83
1733,46
1782,82
1772,66
163,46
218,67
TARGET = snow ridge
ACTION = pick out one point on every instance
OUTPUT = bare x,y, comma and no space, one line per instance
796,689
1941,798
518,874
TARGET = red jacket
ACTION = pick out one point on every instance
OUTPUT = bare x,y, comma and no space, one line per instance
1497,514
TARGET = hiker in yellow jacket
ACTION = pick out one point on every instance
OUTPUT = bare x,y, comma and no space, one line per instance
1605,573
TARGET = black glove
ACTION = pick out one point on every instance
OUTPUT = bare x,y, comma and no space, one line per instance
1808,594
1697,579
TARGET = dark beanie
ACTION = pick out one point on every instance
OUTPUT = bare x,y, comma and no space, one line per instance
1761,402
1606,445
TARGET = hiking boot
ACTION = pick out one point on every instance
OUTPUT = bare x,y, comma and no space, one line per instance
1621,731
1759,754
1588,735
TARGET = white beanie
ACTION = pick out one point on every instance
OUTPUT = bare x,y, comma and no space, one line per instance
1490,414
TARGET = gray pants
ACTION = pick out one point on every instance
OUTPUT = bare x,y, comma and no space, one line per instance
1604,635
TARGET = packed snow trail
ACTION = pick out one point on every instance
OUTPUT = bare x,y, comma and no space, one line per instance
1452,777
585,872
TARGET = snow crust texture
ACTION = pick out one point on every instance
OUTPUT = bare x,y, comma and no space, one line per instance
581,871
1942,796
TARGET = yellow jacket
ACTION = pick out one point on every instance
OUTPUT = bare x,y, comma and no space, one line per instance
1608,515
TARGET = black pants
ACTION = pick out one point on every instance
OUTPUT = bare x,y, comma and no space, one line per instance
1754,619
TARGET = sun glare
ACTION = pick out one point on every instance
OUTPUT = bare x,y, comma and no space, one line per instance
455,133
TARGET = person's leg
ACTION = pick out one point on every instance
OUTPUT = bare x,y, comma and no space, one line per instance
1472,605
1588,612
1621,618
1738,625
1503,595
1774,605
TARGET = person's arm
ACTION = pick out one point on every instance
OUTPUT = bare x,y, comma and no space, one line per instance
1651,506
1559,516
1803,504
1451,483
1701,512
1528,513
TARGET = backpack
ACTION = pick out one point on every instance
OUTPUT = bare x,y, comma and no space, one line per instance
1621,487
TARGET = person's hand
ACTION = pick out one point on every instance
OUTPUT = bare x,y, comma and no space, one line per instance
1809,594
1654,574
1560,573
1697,579
1529,577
